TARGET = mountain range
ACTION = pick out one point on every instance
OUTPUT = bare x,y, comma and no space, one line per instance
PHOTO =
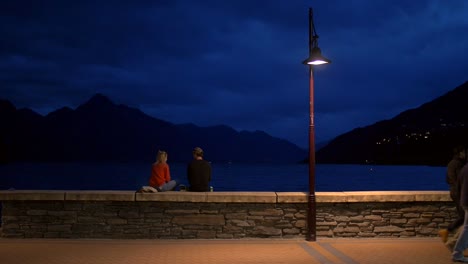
424,135
100,130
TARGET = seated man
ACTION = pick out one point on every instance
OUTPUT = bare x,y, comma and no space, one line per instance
199,172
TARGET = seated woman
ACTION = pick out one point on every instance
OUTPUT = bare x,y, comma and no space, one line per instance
160,174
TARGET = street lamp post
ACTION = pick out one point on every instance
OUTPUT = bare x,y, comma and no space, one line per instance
315,58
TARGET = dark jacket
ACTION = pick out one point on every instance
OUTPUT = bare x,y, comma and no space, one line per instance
199,175
463,182
453,170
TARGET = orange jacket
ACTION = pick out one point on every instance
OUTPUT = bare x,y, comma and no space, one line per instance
159,174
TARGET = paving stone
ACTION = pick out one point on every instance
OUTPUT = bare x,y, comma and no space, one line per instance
226,251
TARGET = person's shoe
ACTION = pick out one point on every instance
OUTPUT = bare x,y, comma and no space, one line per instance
462,259
443,233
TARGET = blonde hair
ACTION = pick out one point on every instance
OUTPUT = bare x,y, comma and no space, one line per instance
161,157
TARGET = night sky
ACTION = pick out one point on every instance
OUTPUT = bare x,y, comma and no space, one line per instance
235,62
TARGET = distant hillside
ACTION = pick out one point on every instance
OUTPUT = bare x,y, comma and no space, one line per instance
424,135
100,130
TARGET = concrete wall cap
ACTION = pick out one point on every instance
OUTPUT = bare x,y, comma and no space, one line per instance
292,197
380,196
442,196
32,195
331,197
193,197
227,197
241,197
99,195
364,196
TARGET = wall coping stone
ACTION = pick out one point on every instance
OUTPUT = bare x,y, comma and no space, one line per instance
241,197
32,195
193,197
226,197
100,196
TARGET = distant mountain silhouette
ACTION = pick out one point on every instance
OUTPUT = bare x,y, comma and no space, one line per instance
100,130
424,135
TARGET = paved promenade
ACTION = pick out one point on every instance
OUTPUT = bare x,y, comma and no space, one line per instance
267,251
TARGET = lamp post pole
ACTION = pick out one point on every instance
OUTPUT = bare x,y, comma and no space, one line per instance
315,58
311,214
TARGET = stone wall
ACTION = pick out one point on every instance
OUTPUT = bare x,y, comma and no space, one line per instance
221,215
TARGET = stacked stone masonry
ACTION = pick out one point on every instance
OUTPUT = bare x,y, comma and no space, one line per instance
221,215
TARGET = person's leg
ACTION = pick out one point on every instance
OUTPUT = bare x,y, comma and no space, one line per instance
450,244
462,241
169,186
453,226
460,219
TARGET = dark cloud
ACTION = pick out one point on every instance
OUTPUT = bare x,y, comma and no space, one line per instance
235,62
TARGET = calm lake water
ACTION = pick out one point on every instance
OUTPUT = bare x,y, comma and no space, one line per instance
226,177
